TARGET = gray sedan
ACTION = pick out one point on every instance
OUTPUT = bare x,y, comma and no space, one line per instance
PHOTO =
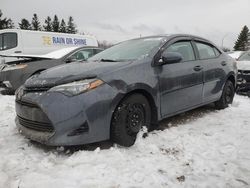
14,74
132,84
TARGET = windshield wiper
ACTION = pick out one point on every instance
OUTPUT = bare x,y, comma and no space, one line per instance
108,60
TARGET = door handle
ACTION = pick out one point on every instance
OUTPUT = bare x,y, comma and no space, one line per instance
223,63
198,68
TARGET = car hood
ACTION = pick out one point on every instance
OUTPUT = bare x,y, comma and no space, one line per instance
71,72
243,65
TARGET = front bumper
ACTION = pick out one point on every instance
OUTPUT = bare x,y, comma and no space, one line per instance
76,120
243,83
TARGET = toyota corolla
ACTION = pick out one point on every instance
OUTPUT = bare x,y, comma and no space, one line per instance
132,84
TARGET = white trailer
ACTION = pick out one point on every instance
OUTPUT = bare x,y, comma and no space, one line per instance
17,41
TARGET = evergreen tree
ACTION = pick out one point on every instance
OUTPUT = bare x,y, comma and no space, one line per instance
48,25
71,27
24,24
63,28
104,44
226,49
55,24
241,43
35,23
5,23
10,24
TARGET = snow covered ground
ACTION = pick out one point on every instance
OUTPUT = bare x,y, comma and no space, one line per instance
202,148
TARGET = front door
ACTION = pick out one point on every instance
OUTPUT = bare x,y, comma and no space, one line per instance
180,83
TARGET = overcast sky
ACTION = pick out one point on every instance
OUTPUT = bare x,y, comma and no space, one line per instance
118,20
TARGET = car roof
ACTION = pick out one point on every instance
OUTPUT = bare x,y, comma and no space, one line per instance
170,36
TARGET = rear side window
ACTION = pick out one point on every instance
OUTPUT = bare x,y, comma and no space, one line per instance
82,55
8,41
217,52
205,51
97,51
184,48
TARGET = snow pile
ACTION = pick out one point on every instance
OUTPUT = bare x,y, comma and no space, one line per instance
202,148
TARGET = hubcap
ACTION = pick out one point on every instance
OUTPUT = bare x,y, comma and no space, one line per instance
135,118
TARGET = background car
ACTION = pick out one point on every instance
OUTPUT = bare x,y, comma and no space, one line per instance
235,54
132,84
14,74
243,64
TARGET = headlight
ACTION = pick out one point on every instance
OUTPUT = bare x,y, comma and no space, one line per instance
14,67
78,87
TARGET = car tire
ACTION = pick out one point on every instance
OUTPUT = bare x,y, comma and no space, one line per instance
227,96
130,115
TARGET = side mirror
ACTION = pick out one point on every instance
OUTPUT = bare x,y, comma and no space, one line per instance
169,58
69,60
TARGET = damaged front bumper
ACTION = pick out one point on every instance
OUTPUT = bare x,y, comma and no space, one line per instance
55,119
10,81
243,82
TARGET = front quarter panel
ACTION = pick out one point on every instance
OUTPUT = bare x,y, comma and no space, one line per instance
139,75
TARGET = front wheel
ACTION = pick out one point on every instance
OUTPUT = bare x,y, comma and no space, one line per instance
130,115
227,96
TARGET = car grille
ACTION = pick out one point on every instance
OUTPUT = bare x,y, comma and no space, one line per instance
38,126
32,105
41,123
31,90
246,72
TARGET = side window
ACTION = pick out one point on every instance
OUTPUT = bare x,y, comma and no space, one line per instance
82,55
98,51
184,48
217,52
9,41
205,51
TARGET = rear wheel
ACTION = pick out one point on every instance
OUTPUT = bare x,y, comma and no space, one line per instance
131,114
227,95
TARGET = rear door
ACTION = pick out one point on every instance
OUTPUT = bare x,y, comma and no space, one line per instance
213,66
180,83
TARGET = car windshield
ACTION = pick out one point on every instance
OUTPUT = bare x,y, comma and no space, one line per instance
128,50
245,56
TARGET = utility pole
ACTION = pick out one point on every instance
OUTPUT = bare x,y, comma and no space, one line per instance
222,41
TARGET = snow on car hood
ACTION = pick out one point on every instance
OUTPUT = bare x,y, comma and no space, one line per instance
243,65
71,72
57,54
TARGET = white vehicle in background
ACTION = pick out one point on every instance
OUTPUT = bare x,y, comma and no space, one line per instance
243,64
235,54
17,41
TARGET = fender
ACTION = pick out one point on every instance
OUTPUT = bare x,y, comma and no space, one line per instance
233,75
145,89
